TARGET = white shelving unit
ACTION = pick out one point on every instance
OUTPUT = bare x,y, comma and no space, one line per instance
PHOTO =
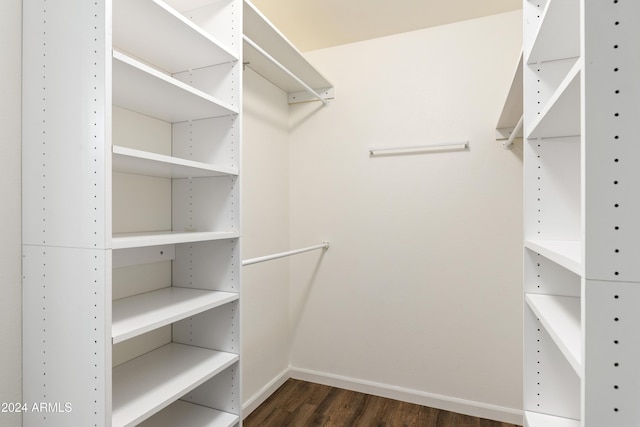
582,238
261,31
131,160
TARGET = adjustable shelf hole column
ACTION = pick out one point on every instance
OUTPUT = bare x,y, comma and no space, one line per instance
131,161
582,236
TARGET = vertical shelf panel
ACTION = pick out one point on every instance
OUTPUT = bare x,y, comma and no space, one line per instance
221,392
191,140
66,215
612,351
552,189
205,204
611,112
66,121
218,265
66,350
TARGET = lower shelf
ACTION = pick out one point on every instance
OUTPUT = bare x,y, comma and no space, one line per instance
186,414
138,314
534,419
561,318
567,253
139,240
149,383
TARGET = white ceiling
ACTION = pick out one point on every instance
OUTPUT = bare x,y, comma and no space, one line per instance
316,24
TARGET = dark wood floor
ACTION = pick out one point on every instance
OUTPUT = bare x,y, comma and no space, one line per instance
301,404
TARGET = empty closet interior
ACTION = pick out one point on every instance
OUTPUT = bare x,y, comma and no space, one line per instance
198,210
418,297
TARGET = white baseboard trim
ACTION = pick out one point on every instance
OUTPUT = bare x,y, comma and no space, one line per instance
447,403
257,399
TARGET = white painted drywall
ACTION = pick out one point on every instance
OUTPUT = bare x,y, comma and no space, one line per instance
421,288
265,228
10,213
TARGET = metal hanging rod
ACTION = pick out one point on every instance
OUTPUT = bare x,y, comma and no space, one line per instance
285,70
418,149
514,133
324,245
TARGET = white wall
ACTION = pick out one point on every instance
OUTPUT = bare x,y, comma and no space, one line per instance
420,292
265,229
10,250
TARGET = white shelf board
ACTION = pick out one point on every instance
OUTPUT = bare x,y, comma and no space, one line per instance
259,29
558,36
186,414
567,253
158,34
142,313
139,162
139,87
535,419
513,105
560,316
138,240
561,115
149,383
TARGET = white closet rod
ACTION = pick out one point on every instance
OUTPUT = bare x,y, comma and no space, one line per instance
285,70
514,134
324,245
418,149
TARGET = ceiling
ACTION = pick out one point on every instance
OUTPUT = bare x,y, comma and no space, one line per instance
316,24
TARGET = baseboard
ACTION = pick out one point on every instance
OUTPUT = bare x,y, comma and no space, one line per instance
447,403
257,399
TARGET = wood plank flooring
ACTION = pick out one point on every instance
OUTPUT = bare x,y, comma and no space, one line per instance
301,404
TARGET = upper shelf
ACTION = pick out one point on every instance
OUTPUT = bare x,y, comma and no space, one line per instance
140,162
155,32
558,36
259,29
561,115
140,240
144,89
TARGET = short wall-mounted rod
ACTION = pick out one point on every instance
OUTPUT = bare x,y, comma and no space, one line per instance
324,245
414,149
